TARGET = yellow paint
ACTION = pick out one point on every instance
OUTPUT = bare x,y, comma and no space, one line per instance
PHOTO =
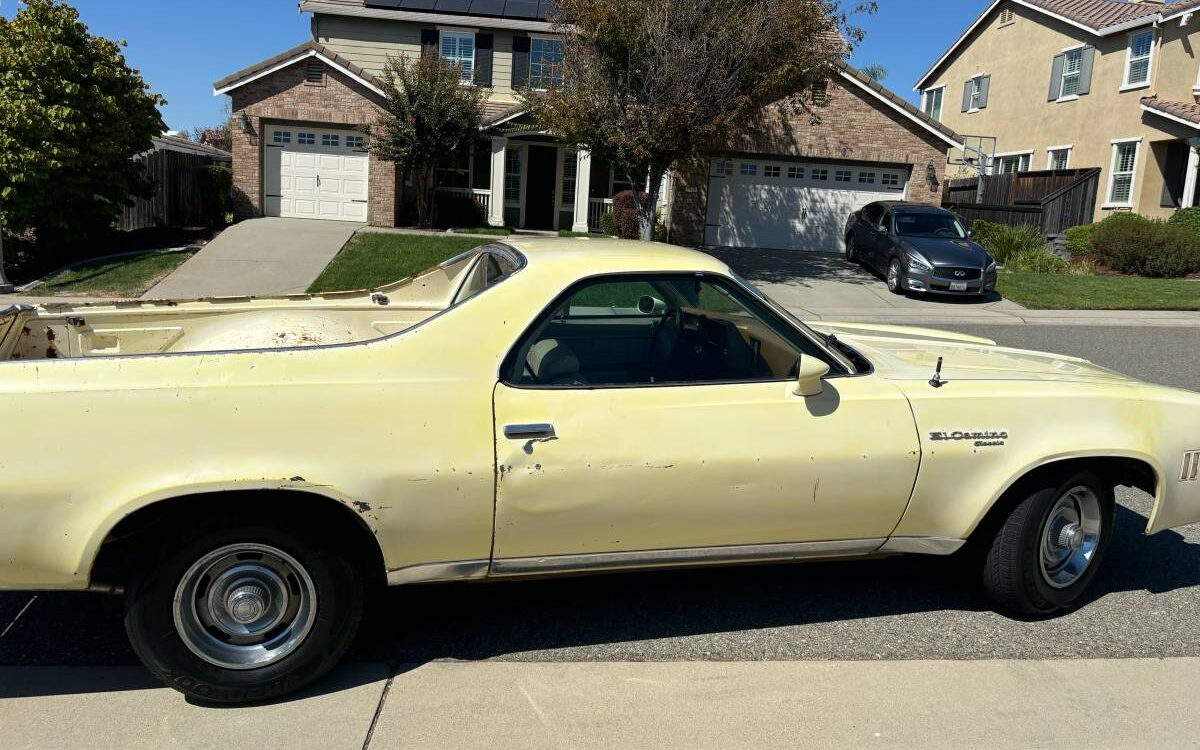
405,424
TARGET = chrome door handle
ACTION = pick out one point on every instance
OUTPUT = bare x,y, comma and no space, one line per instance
528,431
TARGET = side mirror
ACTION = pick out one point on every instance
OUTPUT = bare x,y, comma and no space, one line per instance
809,380
970,234
648,305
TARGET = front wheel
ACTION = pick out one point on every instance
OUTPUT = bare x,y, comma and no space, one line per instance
244,614
895,277
1048,550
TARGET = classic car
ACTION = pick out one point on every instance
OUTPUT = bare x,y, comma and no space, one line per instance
919,248
540,406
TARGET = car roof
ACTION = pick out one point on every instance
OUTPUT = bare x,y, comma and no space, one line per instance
912,208
605,254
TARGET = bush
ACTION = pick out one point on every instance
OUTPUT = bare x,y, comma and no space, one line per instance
1003,242
1079,239
217,181
457,210
607,225
660,231
1187,217
1146,248
625,218
1035,260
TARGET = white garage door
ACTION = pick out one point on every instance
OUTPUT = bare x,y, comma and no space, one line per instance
792,205
316,174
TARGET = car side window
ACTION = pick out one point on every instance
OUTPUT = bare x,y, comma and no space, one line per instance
656,330
871,214
885,222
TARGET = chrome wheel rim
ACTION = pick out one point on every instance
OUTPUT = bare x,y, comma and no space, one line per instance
1070,536
244,606
893,277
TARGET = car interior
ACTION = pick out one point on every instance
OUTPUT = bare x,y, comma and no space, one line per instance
655,330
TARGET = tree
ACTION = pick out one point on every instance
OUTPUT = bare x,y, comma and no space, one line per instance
649,83
875,72
72,117
429,118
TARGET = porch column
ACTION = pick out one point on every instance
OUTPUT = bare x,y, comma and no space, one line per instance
496,202
1189,180
583,189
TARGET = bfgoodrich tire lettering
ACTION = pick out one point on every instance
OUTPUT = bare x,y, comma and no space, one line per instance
1015,572
152,625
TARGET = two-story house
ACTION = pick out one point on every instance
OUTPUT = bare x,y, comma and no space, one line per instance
300,150
1063,84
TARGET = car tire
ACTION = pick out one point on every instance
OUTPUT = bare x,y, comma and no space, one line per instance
298,599
851,250
1046,552
895,277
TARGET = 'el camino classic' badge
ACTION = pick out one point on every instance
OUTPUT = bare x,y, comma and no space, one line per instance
981,439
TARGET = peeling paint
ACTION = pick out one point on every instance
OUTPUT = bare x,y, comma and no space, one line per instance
528,447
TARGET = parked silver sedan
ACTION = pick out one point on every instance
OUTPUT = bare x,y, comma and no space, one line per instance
919,249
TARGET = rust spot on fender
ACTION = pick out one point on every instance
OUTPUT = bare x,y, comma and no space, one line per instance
361,507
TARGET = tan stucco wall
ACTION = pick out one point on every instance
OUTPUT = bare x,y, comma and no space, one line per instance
369,42
1018,56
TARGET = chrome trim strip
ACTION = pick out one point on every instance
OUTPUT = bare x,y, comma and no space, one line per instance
598,561
461,570
923,545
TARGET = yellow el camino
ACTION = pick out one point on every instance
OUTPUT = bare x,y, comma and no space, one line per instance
542,406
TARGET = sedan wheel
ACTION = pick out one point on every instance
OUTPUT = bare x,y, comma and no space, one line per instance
851,250
895,276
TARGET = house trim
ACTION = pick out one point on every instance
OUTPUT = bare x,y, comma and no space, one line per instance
224,87
339,9
919,119
1169,116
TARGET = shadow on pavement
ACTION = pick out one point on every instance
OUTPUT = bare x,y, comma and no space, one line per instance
417,624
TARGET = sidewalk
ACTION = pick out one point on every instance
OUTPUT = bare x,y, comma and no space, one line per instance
928,704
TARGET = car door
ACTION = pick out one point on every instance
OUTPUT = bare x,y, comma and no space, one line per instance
597,471
884,239
869,232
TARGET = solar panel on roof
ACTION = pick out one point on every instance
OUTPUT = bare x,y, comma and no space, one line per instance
521,9
390,4
487,8
453,6
418,4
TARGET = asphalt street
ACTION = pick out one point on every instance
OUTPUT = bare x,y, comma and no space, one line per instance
1144,603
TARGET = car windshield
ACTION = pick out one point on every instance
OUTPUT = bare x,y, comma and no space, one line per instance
929,225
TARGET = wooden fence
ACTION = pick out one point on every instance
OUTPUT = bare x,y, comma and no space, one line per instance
1053,200
183,197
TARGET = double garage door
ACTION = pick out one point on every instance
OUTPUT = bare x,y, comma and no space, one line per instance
315,174
792,205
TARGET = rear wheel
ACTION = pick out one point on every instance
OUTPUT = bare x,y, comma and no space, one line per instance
244,614
895,277
1047,551
851,250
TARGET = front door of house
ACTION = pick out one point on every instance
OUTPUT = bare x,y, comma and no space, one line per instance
539,187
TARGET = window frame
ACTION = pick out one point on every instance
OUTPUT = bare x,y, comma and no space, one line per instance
839,365
1024,161
1117,143
1076,52
466,75
976,83
927,95
544,39
1052,150
1126,85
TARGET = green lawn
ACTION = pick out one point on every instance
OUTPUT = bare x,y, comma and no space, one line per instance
497,231
1046,291
372,259
129,276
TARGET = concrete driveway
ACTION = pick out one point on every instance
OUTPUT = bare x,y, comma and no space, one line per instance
258,257
824,286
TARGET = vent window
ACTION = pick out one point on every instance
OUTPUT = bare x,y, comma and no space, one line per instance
1006,16
314,72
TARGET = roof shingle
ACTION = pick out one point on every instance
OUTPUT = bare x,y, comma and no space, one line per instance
1187,111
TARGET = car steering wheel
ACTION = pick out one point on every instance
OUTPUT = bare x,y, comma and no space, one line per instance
666,337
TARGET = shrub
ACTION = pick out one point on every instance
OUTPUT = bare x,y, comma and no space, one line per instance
625,216
217,181
1079,239
1035,260
1003,242
1187,217
607,225
1146,248
457,210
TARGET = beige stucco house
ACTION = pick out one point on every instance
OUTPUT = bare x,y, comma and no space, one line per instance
300,150
1060,84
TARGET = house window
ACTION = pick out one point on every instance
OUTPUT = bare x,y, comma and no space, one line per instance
512,174
795,173
1014,163
354,141
458,48
1058,158
975,93
545,62
1137,59
820,174
306,139
282,136
1072,67
842,175
866,178
749,170
770,171
890,179
723,168
1120,182
570,169
330,140
933,103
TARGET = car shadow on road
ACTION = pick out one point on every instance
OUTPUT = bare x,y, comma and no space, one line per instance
413,625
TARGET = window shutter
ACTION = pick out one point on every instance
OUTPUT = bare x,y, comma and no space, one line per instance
429,41
966,96
520,62
483,60
984,85
1056,71
1085,70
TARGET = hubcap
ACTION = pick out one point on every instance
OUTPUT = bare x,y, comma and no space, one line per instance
244,606
893,278
1070,535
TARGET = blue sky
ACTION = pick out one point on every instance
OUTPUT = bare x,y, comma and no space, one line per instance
182,47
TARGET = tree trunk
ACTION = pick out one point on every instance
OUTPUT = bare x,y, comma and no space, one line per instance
648,208
423,181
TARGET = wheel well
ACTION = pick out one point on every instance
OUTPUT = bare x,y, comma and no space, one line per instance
129,539
1113,470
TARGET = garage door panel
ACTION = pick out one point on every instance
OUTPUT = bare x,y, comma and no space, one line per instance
314,176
